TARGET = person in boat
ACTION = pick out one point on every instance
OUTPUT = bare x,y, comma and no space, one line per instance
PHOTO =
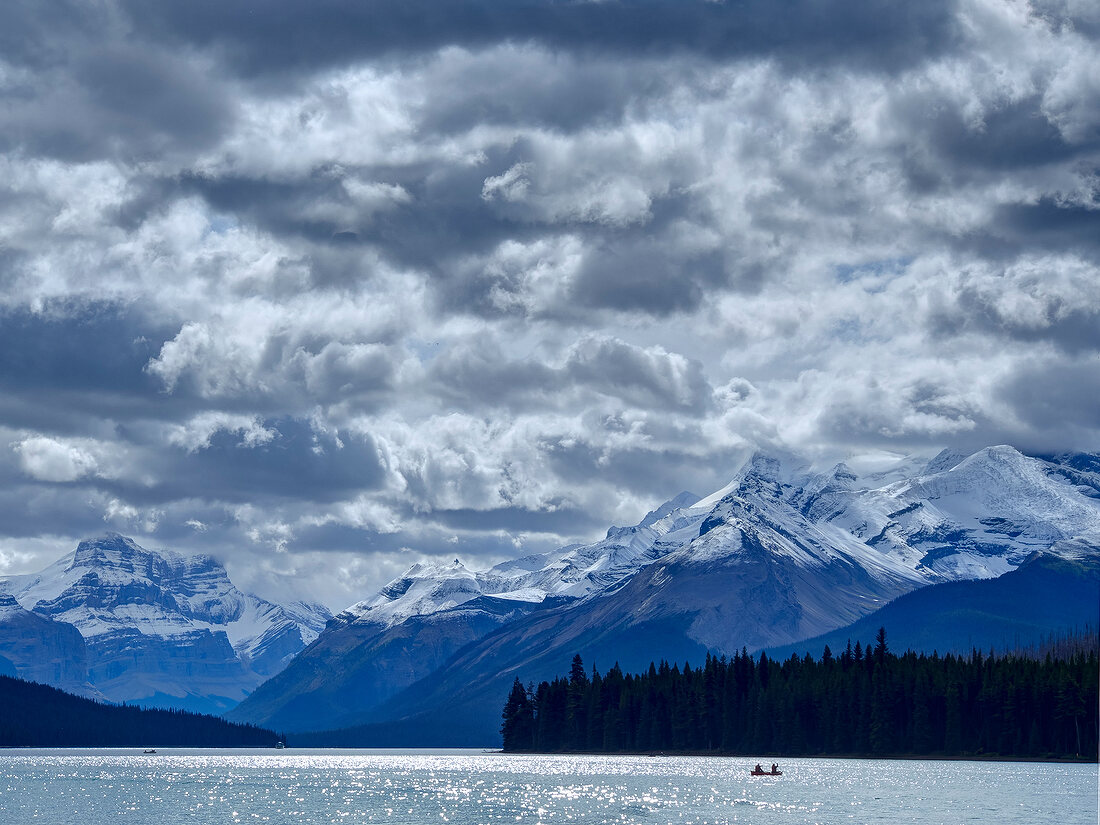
775,768
758,769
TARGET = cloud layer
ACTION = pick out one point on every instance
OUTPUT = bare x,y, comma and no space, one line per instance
326,289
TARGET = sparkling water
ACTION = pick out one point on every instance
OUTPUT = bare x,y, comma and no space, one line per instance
88,787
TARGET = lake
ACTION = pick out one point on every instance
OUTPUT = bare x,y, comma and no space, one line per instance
92,786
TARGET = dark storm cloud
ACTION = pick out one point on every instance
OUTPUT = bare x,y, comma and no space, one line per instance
97,347
114,100
295,462
1062,14
25,508
650,379
639,470
445,214
1014,135
1016,229
274,205
482,372
646,276
66,366
1057,402
561,521
1048,224
41,34
282,36
517,87
430,537
948,145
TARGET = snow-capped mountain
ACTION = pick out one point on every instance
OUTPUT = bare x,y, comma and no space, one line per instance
958,517
783,552
420,619
573,571
165,629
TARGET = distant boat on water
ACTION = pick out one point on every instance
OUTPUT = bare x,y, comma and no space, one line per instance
759,771
151,750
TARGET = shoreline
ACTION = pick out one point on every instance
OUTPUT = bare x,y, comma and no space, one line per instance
1069,760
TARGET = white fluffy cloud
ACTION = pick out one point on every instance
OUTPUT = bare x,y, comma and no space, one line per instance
47,459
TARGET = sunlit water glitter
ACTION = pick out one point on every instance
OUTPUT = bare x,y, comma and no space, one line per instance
88,787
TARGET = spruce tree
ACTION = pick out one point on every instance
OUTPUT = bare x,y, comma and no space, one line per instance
518,726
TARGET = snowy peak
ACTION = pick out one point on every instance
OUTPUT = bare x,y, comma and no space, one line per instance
574,571
908,522
123,597
113,552
784,552
991,509
681,502
423,589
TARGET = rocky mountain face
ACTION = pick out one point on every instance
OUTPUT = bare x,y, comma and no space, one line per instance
781,554
38,649
156,629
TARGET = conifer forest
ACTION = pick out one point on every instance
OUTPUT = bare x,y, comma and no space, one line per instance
864,702
33,715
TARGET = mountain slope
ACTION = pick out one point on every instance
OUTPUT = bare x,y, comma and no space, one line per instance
459,704
782,553
162,629
1046,595
412,626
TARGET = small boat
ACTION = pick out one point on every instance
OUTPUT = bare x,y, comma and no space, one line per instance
151,750
760,772
280,745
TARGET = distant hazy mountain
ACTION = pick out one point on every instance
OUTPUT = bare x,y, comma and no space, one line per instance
157,629
782,553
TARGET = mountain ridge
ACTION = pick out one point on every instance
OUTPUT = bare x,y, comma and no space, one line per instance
782,553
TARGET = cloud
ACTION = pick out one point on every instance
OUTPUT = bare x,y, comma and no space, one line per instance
291,38
47,459
1055,401
375,282
651,377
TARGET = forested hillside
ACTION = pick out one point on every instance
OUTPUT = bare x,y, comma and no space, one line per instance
33,715
866,701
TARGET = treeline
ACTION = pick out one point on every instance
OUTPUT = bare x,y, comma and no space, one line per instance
867,702
33,715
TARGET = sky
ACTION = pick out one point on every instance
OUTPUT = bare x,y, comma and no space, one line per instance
324,289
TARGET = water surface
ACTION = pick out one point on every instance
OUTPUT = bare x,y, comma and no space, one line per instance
88,787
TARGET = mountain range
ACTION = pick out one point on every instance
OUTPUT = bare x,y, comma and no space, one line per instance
783,553
117,622
990,548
